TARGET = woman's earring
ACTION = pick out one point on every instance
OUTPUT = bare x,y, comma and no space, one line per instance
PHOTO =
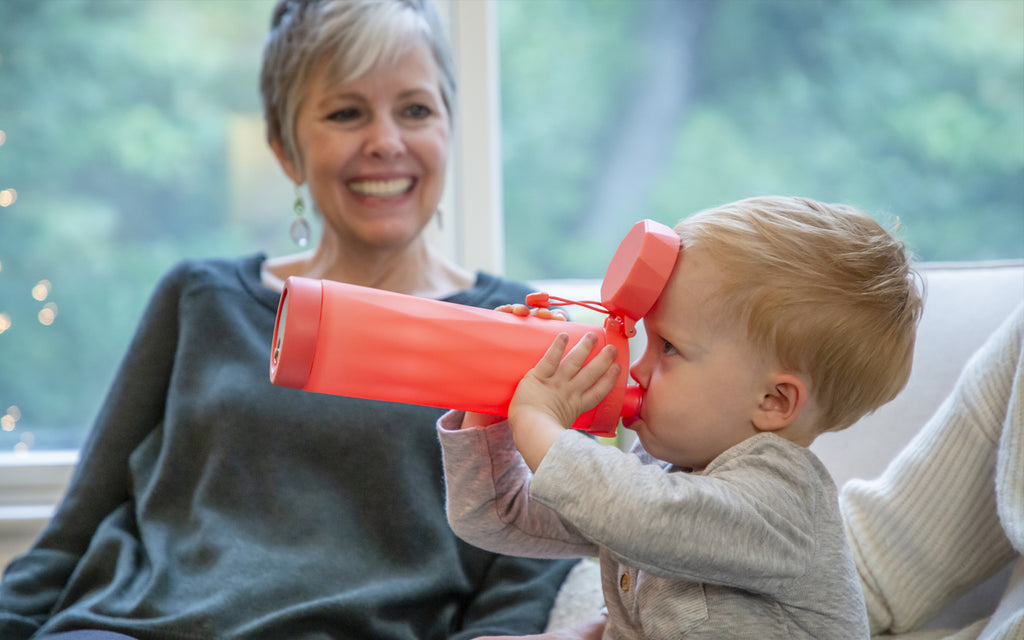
300,228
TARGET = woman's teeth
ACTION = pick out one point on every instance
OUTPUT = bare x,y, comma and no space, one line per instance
381,188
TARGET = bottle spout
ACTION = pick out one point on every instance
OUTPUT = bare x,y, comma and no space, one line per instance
631,404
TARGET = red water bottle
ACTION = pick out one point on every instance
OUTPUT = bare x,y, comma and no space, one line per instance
343,339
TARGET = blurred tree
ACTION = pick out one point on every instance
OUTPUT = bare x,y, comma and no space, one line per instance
114,139
906,109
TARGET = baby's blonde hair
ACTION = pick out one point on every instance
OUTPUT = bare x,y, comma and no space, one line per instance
823,289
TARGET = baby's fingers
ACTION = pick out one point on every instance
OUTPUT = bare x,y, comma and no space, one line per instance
581,351
548,364
598,366
601,386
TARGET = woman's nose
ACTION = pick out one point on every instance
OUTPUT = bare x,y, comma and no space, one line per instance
384,138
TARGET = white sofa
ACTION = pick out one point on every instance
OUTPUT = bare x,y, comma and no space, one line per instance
964,303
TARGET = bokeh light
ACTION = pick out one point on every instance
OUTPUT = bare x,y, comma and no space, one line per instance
48,314
10,420
41,290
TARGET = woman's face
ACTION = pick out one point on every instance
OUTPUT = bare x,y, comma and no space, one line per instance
374,151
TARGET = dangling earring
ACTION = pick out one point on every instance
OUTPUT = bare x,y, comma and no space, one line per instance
300,228
439,216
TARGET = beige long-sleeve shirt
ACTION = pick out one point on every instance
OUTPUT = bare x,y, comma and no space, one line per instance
949,510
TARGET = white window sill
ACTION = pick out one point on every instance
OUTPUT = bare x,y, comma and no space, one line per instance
31,485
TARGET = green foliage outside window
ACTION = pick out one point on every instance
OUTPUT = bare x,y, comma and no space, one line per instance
906,109
116,129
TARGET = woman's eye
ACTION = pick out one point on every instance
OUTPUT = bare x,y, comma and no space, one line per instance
418,111
344,115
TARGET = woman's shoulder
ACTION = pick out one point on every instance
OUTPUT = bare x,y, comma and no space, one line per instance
216,268
191,275
190,272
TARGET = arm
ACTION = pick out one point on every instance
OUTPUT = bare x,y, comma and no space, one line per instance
930,527
763,496
488,485
488,500
34,581
515,589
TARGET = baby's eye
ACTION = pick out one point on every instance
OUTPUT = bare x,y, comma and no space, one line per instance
667,348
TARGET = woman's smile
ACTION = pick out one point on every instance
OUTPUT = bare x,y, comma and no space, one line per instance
381,188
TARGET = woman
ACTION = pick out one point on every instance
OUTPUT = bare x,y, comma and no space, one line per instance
209,503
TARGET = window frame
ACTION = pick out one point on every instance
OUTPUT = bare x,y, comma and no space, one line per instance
474,190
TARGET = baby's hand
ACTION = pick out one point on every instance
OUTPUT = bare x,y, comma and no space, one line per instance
556,391
537,312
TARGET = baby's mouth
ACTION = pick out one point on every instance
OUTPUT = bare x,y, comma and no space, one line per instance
381,188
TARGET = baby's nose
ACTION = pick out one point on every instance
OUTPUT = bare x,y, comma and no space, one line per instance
638,373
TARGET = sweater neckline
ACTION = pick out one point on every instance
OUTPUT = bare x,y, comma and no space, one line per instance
250,274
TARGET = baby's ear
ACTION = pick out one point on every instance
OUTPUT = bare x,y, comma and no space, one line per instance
783,399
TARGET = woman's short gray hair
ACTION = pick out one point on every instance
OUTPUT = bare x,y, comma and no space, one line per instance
345,38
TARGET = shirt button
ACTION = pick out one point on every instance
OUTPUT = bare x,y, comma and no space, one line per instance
624,582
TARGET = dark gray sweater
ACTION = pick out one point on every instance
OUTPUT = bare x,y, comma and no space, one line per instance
209,503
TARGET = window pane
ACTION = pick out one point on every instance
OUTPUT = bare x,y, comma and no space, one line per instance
132,137
615,111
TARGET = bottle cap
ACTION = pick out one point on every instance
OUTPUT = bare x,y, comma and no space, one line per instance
639,270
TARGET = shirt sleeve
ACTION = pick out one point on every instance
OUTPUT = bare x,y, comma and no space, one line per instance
938,498
748,521
34,581
488,496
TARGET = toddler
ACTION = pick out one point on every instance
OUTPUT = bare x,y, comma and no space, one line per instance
783,318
